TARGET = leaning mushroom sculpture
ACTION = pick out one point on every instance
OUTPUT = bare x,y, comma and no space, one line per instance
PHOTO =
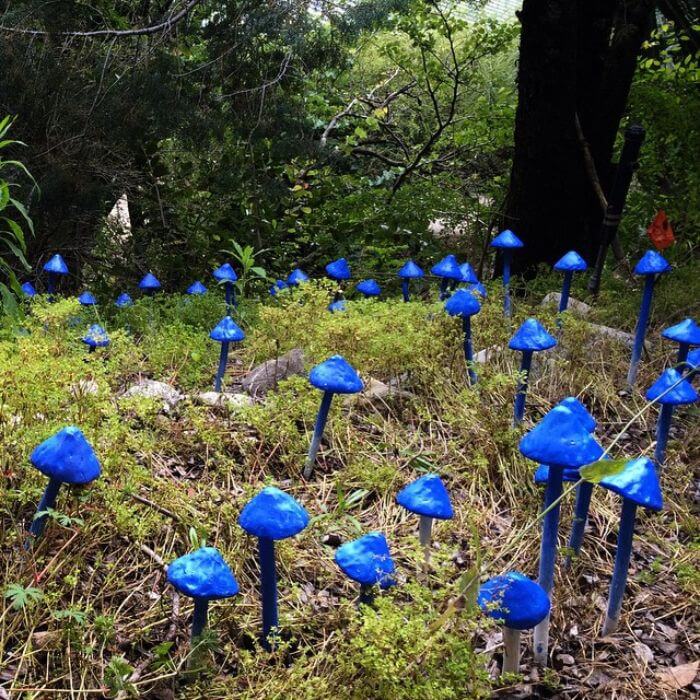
568,264
334,376
66,458
271,515
448,271
464,305
55,268
368,561
687,335
520,604
409,271
204,576
506,242
561,442
225,332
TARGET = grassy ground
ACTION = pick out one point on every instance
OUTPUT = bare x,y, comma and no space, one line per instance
87,612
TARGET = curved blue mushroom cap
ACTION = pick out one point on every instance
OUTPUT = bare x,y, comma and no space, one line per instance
226,331
56,265
279,284
572,261
369,288
225,273
542,474
478,288
96,337
507,239
337,306
426,496
67,457
686,331
681,393
339,269
203,574
87,299
560,439
580,411
410,270
28,290
462,303
652,263
694,359
123,300
296,277
149,282
367,560
196,288
515,599
531,336
468,274
336,375
638,482
273,514
447,267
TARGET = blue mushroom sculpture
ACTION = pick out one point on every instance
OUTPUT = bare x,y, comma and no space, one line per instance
196,289
87,299
520,604
369,288
28,290
530,338
568,264
650,265
271,515
297,277
55,268
339,270
96,337
448,271
202,575
123,300
149,284
334,376
226,275
506,242
687,335
225,332
337,306
464,305
66,458
368,561
409,271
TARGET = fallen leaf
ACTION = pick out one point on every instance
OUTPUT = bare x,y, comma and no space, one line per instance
678,677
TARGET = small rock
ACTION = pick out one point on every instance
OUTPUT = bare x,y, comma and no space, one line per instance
152,389
375,390
643,652
85,387
487,354
575,306
615,334
231,401
264,377
566,659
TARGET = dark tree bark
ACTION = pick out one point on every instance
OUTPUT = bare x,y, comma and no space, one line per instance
577,58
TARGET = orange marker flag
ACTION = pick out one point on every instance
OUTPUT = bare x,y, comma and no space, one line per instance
660,232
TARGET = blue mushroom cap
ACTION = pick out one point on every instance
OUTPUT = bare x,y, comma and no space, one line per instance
468,274
652,263
226,331
694,359
637,482
367,560
369,288
273,514
681,393
572,261
225,273
580,411
410,270
28,289
447,267
686,331
87,299
67,457
337,306
203,574
149,282
196,288
336,375
562,440
279,284
426,496
542,474
478,288
296,277
507,239
96,337
462,303
56,265
531,336
339,269
515,599
123,300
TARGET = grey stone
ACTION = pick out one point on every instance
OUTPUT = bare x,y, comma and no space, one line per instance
152,389
266,376
232,401
575,306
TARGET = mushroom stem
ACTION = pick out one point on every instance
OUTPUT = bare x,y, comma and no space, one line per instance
525,365
507,309
443,288
548,554
565,290
425,528
268,589
683,350
663,425
366,596
230,292
321,419
48,500
468,349
622,561
199,619
584,491
223,360
404,290
511,650
642,322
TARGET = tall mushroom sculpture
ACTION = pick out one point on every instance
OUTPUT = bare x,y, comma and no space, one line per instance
638,484
409,271
650,265
225,332
271,515
334,376
55,268
227,276
561,442
66,458
506,242
568,264
464,305
149,284
448,271
687,335
368,561
530,338
520,604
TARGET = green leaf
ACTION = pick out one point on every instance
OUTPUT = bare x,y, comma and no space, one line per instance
604,467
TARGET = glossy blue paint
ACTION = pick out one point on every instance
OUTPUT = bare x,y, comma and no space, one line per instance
652,263
410,270
447,268
277,286
337,376
686,334
580,411
584,491
149,283
507,239
123,300
28,290
468,274
641,329
542,474
87,299
531,336
337,306
515,600
196,288
319,427
227,331
48,500
268,590
56,266
671,388
369,288
225,273
96,337
521,392
273,514
367,560
638,482
506,242
339,269
462,303
571,262
426,496
478,289
296,277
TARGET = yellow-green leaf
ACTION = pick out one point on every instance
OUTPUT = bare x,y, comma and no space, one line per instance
604,467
